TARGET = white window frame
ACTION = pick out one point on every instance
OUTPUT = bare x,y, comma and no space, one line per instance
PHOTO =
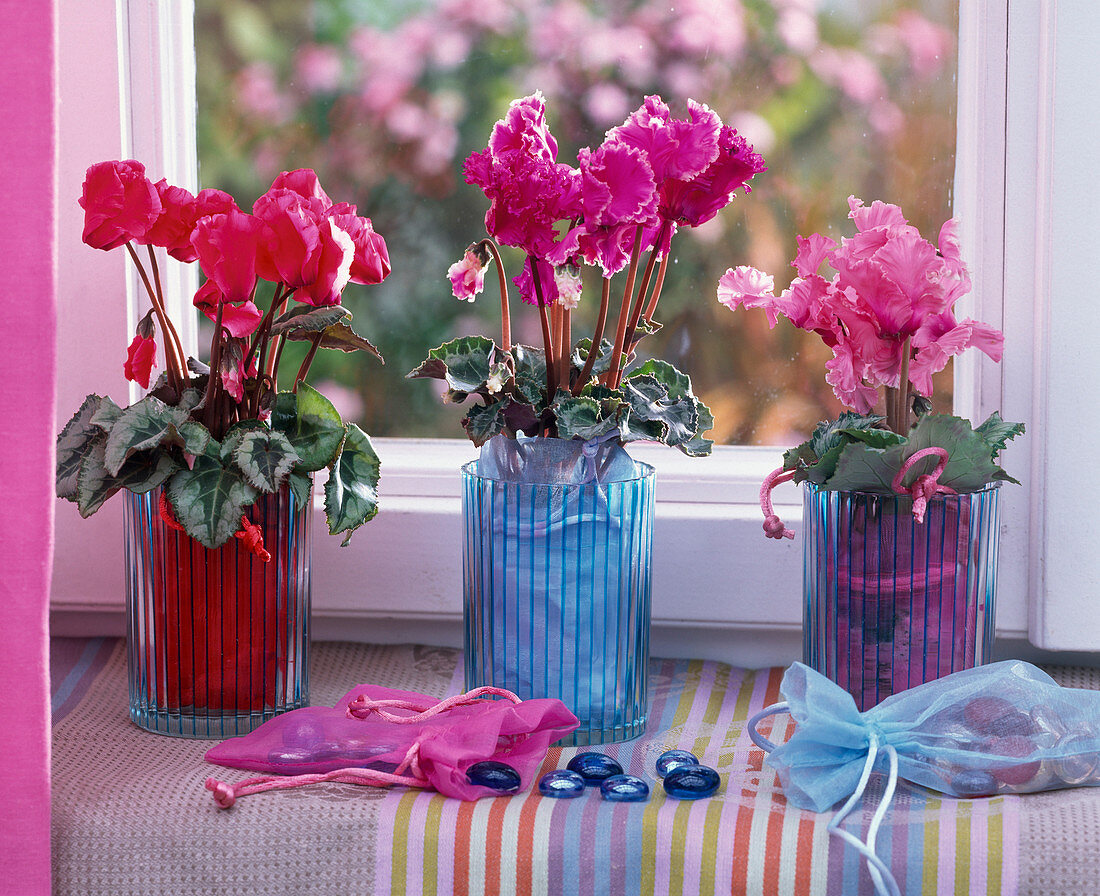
720,589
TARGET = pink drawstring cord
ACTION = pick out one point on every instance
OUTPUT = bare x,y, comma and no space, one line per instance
926,486
225,794
773,525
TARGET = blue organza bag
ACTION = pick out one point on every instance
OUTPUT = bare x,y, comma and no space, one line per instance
1003,728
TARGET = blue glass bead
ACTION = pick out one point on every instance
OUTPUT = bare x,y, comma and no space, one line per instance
495,775
692,782
624,789
672,759
561,784
594,767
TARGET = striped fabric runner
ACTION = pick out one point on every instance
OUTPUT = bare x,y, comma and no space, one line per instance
744,840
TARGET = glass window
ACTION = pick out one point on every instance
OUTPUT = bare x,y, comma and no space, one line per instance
385,98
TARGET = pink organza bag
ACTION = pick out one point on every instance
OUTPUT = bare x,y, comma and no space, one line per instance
380,736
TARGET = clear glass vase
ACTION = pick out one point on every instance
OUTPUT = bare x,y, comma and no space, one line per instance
218,640
557,596
891,603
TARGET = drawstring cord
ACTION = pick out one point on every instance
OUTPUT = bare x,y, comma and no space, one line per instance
926,486
226,794
773,525
881,876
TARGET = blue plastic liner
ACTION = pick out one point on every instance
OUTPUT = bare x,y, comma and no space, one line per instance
557,579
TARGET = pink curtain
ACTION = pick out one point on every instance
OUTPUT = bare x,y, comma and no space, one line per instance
28,213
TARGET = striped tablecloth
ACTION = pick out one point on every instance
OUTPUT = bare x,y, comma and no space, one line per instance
131,814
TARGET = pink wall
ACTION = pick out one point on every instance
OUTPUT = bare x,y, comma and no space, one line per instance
28,201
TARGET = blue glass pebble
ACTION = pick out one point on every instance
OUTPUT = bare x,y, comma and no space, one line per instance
672,759
692,782
495,775
974,782
624,789
561,784
594,767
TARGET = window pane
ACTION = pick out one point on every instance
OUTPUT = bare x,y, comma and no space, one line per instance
385,98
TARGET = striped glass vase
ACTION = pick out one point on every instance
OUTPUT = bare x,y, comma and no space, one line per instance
891,603
557,595
218,639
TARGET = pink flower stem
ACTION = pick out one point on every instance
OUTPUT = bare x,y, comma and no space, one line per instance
505,317
611,376
636,314
547,335
171,330
304,369
597,335
657,286
210,414
176,377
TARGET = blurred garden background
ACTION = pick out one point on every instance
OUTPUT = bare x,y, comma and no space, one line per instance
386,98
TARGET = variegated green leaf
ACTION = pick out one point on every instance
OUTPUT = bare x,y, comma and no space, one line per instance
107,414
145,424
196,438
73,442
312,425
482,422
141,473
265,457
232,439
341,337
351,492
209,501
464,364
581,418
307,319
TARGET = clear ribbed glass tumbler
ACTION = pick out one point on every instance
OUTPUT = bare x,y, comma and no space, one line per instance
891,603
218,640
557,595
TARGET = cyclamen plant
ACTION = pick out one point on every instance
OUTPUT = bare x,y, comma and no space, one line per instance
887,313
217,436
652,175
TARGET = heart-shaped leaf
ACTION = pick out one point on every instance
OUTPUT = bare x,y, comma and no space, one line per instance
351,492
142,472
209,501
482,422
312,425
340,337
265,457
581,418
73,443
997,433
301,485
145,424
302,319
463,363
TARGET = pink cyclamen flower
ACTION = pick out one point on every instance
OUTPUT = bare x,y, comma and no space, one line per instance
120,204
172,229
292,237
467,276
233,378
748,287
305,183
371,262
240,320
524,130
676,148
548,285
334,260
567,282
228,247
141,356
696,200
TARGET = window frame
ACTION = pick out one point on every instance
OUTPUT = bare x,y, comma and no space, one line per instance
720,589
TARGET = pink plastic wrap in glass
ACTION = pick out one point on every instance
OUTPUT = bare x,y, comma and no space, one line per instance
890,602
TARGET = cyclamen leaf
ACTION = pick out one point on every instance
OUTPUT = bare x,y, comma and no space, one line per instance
970,465
107,415
340,337
649,399
603,356
482,422
73,442
209,500
140,473
307,319
581,418
351,492
875,438
196,438
697,446
312,425
463,363
677,384
997,433
265,457
530,376
232,439
301,485
145,424
863,469
831,433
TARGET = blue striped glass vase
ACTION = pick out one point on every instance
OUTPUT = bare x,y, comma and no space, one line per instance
891,603
557,592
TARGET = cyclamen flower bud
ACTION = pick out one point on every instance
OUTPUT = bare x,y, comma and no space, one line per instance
141,356
468,275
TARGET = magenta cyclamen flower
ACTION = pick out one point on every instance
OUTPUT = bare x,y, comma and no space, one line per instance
528,191
120,204
888,308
